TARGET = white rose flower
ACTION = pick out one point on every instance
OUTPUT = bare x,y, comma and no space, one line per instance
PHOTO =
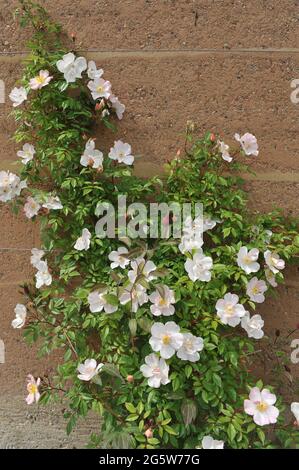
189,243
208,224
199,267
99,88
295,411
118,258
71,67
166,339
88,369
162,300
248,143
155,370
192,239
41,80
193,227
10,186
253,325
255,290
136,294
27,153
260,406
247,260
31,207
91,157
97,302
121,152
21,313
118,107
224,150
52,202
142,268
274,263
229,310
83,242
18,96
43,277
209,443
190,348
36,257
93,72
270,277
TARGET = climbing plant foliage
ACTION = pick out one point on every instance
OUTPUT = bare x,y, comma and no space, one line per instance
158,336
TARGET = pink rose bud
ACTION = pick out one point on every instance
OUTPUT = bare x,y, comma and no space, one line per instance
130,379
212,137
148,433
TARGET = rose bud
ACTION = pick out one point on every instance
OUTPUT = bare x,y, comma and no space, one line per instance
130,379
148,433
212,137
73,36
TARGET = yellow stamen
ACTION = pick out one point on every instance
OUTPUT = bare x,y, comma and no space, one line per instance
262,406
40,79
166,339
32,388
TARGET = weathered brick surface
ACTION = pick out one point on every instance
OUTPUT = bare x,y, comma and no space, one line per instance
167,24
223,93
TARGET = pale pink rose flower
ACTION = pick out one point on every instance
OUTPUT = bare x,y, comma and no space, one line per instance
248,143
224,150
274,263
31,207
99,88
41,80
118,107
261,406
270,277
256,289
247,259
32,388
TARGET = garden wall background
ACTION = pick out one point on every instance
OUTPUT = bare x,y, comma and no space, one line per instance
227,65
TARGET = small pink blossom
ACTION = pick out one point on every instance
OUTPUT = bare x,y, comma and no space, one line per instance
248,143
41,80
224,150
261,406
32,388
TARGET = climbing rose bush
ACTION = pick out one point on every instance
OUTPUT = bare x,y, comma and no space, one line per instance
157,336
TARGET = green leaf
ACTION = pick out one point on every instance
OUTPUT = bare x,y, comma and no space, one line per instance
130,407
